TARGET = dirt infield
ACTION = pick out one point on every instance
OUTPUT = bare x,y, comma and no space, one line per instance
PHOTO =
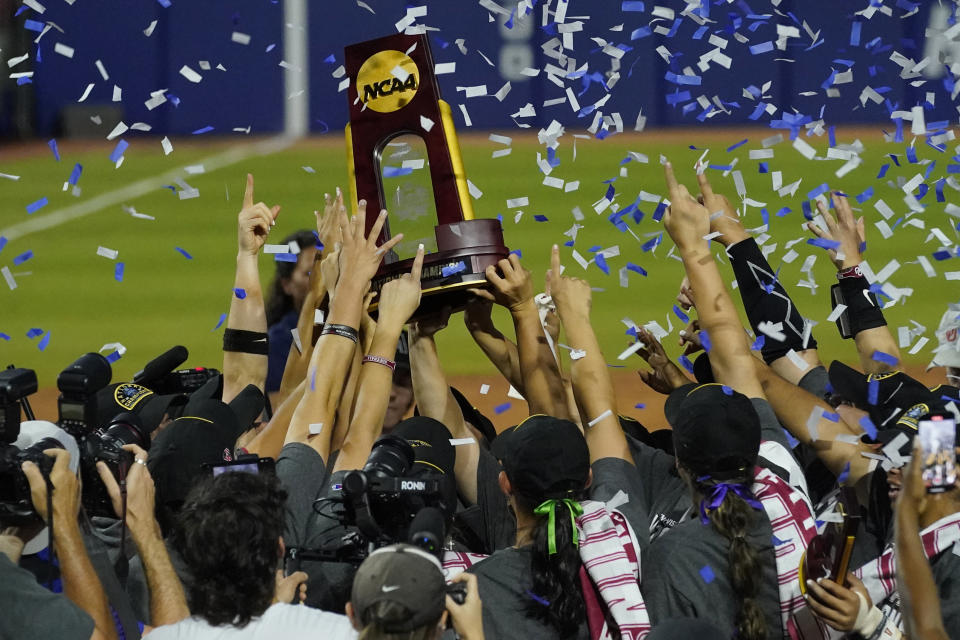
630,392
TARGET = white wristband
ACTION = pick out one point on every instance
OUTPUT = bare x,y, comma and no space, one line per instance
868,618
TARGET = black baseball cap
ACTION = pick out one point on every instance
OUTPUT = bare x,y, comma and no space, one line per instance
544,457
129,396
716,430
472,415
206,434
405,575
900,399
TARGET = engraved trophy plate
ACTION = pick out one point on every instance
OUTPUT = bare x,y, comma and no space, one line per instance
393,92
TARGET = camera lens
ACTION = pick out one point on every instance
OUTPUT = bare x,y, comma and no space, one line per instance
391,457
126,428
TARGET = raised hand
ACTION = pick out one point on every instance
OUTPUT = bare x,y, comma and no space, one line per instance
845,229
571,295
399,298
685,297
665,375
66,487
515,288
329,273
360,256
686,220
328,222
431,324
140,492
254,222
723,216
690,338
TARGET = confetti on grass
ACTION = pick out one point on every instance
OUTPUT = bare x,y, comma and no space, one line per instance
184,253
223,318
33,207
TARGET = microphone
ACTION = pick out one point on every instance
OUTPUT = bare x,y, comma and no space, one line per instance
155,370
428,530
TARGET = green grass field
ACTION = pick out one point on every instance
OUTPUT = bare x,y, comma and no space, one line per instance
165,299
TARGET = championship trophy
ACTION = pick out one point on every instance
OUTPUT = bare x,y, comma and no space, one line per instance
393,92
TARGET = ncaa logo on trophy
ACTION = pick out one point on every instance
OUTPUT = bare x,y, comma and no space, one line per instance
396,110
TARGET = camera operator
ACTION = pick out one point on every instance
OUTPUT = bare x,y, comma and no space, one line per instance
28,607
399,592
230,534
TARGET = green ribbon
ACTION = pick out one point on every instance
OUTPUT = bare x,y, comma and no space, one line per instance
549,508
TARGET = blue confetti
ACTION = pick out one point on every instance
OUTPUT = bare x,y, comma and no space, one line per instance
500,408
855,33
845,474
707,344
33,333
873,388
601,263
516,252
23,257
677,311
636,268
453,269
726,390
739,144
866,195
164,3
202,130
763,47
240,293
793,442
632,5
113,357
685,363
44,342
642,32
396,172
777,541
883,171
184,253
75,174
885,358
117,152
832,417
707,574
33,25
534,596
869,428
758,343
223,318
823,243
652,242
818,191
284,257
33,207
639,405
4,336
540,217
53,147
118,271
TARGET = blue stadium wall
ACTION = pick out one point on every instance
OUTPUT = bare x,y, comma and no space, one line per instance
250,92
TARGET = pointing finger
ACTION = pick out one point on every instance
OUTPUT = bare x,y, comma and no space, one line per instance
248,192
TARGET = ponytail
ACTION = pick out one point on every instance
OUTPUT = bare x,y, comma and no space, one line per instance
555,598
732,513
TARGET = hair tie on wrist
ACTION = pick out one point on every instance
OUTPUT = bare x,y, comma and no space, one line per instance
242,341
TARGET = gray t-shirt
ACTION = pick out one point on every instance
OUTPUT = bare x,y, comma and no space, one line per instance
686,574
304,476
31,611
503,581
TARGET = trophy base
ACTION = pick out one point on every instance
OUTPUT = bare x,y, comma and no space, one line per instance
466,249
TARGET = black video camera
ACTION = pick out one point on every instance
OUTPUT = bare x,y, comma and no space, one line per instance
79,384
16,505
159,374
15,386
106,445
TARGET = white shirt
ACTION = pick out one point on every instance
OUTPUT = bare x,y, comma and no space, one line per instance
287,621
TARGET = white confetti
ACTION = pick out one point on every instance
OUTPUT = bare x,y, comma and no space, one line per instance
190,74
426,123
484,389
444,68
514,203
804,148
474,190
110,254
602,416
8,277
400,73
117,94
457,442
513,393
118,130
149,30
167,145
86,92
836,313
64,50
12,62
315,427
101,69
240,38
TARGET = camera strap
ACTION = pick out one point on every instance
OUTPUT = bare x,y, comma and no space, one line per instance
49,483
122,565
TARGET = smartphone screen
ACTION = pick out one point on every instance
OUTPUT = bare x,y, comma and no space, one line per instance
938,435
251,467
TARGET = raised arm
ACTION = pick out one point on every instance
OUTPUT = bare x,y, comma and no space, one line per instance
398,300
688,222
592,386
868,325
435,400
542,385
764,298
168,604
499,350
80,582
360,257
245,339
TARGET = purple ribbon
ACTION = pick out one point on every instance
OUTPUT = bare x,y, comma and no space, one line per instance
719,493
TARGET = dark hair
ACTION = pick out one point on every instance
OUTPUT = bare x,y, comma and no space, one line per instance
227,533
733,520
278,302
387,610
556,598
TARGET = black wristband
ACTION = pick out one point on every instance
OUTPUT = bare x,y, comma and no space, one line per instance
243,341
341,330
863,308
